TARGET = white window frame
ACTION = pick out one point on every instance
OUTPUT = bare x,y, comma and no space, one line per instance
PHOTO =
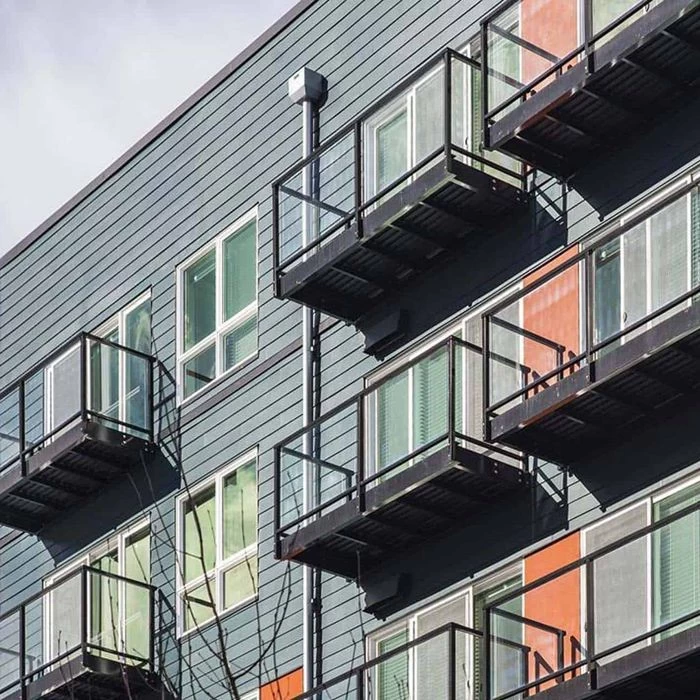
222,327
115,541
221,566
410,623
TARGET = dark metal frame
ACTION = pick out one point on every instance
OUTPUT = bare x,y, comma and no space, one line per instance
85,413
448,151
358,482
591,348
584,51
590,657
84,647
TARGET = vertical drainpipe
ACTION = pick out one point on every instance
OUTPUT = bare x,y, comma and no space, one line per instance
308,88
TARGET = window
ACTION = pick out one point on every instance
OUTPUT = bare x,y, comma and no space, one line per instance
217,307
217,544
647,267
421,672
118,612
651,581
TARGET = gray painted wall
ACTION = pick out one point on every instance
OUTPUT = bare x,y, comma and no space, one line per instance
197,177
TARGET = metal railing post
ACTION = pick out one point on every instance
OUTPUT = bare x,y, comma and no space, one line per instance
451,396
360,690
83,377
357,151
486,374
21,398
22,623
452,661
590,623
589,301
485,135
151,402
152,629
587,34
448,110
276,487
276,238
360,476
83,610
486,675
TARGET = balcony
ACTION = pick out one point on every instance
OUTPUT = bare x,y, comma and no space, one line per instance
88,635
437,659
553,100
393,467
627,615
610,337
391,194
70,425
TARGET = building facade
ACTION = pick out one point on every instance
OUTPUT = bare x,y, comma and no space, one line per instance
371,372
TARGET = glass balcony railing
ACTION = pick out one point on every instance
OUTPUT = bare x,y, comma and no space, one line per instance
617,611
47,642
89,379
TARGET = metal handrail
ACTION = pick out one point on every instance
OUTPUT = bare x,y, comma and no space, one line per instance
19,391
590,655
19,615
357,481
585,48
356,146
590,346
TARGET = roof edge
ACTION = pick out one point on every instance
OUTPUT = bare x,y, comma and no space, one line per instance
270,33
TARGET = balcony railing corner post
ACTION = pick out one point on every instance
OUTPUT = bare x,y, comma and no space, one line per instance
485,86
590,621
589,301
83,610
22,650
360,690
485,374
83,377
451,396
275,237
276,487
360,476
21,427
152,629
359,189
487,654
448,110
452,661
589,53
150,394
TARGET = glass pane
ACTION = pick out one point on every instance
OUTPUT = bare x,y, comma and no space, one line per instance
620,581
240,343
9,428
64,389
607,11
199,370
392,149
199,544
240,509
104,377
676,561
504,59
137,335
65,616
392,420
606,264
137,567
392,674
104,605
429,116
197,605
430,398
634,252
240,273
241,582
199,281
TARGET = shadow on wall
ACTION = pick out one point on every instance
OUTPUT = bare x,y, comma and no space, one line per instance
654,155
487,539
487,261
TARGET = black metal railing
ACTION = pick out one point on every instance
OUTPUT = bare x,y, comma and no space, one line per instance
338,183
440,661
573,313
517,63
87,612
88,378
354,447
597,619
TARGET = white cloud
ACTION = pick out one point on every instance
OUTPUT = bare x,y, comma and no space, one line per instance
83,80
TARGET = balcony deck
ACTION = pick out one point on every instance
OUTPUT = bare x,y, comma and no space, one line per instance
408,233
65,472
636,76
640,379
419,503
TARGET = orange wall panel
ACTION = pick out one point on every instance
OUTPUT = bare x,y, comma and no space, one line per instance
284,688
552,311
553,26
557,603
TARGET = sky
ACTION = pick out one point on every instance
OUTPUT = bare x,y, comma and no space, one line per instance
82,80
